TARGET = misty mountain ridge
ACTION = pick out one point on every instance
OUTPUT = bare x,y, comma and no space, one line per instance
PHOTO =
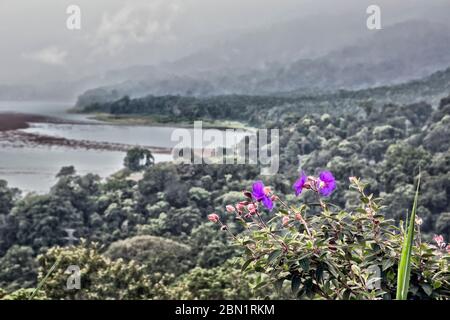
424,93
384,58
283,43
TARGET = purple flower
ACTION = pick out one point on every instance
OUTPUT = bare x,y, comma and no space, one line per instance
267,202
300,184
259,195
258,190
326,183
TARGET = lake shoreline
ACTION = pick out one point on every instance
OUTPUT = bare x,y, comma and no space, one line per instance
12,124
147,120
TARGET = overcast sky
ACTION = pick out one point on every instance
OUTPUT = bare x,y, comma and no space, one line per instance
36,45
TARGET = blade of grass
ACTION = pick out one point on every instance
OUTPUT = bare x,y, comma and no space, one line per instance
404,267
42,282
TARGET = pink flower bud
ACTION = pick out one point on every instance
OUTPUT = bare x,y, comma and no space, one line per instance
285,220
240,207
274,198
438,239
213,218
267,190
252,208
230,208
298,217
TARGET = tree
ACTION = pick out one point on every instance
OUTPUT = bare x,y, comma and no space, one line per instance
40,221
7,197
18,268
221,283
100,277
138,159
66,171
157,254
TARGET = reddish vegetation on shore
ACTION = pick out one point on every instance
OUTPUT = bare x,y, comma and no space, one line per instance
15,121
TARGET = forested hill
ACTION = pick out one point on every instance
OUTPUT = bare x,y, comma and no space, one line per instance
156,230
259,109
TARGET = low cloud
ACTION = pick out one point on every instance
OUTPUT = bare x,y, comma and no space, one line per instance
136,23
50,55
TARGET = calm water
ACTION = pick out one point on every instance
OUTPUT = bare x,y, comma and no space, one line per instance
34,168
139,135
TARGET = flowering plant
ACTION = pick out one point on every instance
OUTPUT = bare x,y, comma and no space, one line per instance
319,251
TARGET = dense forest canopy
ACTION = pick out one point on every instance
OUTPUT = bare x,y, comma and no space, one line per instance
124,222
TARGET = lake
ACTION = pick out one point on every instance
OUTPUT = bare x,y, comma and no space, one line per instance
33,168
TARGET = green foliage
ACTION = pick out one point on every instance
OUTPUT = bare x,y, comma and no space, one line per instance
371,146
199,195
7,197
101,278
23,294
212,248
18,268
158,255
327,253
138,159
39,221
66,171
220,283
358,135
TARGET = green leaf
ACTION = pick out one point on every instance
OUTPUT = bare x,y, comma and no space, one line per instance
386,264
295,284
332,269
355,269
304,263
279,284
319,273
274,255
365,200
246,264
437,284
428,289
404,267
